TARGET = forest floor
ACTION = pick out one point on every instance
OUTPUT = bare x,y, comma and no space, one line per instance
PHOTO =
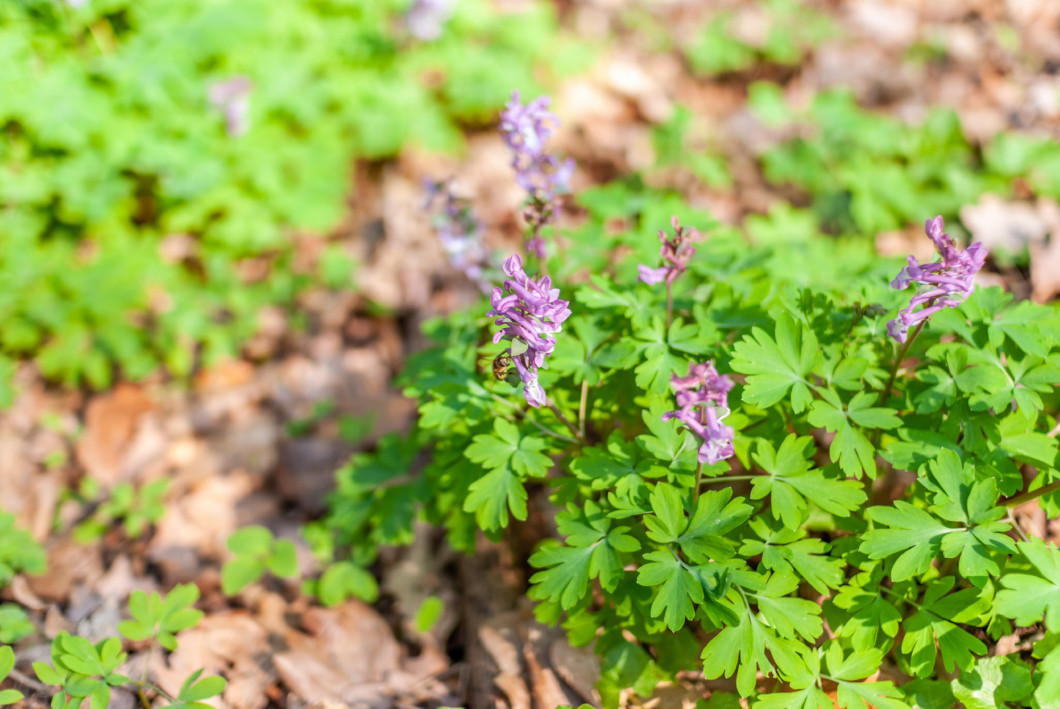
257,440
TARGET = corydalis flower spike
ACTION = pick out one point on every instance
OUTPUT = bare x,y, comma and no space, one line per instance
530,315
425,18
945,283
676,252
703,398
459,232
526,130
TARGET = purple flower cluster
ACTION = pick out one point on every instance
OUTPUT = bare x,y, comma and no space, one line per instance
425,18
459,231
525,130
675,251
531,315
944,281
232,98
703,398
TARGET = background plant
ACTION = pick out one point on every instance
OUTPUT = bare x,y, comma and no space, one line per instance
135,509
85,671
256,551
19,551
870,490
138,144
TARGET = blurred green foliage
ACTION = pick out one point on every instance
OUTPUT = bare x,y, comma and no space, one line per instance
789,29
111,143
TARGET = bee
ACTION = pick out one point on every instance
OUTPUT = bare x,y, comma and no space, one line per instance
502,363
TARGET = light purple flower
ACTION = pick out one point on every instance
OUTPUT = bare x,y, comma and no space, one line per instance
530,315
459,232
676,251
526,130
232,98
651,276
703,398
425,18
945,283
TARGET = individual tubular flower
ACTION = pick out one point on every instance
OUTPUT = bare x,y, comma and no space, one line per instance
232,98
531,315
425,18
703,398
675,251
943,284
459,231
526,130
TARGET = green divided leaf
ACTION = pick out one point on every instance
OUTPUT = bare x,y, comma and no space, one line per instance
1028,599
777,367
508,447
593,549
959,499
493,495
792,481
935,625
701,538
344,579
909,530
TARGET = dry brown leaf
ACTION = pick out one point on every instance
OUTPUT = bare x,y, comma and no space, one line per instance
579,667
348,656
1045,269
1003,225
68,564
110,422
228,643
544,687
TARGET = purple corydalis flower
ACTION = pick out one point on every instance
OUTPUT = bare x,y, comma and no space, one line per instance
425,18
526,130
944,281
703,398
676,251
232,98
459,231
531,315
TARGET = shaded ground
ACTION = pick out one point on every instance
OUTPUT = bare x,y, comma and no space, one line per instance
257,441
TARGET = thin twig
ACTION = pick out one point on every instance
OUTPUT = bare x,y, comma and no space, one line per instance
30,683
1031,495
565,421
1016,525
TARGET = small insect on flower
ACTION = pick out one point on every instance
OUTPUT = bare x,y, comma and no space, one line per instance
502,368
945,283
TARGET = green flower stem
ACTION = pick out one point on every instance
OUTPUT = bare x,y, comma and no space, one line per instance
902,352
669,305
581,407
699,481
1031,495
886,391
